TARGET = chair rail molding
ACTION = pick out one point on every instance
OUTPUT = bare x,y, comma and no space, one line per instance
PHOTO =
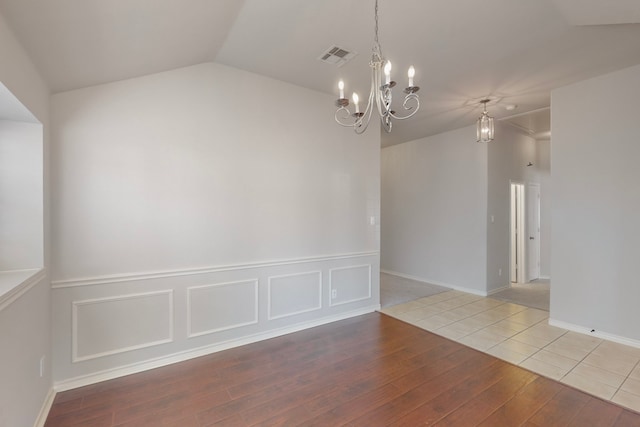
129,277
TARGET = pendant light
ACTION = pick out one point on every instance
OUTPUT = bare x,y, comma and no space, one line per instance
485,130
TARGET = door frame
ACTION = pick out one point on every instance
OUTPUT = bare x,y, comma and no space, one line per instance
533,231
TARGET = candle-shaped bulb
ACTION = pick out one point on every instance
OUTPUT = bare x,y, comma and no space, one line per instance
387,72
411,73
355,101
341,89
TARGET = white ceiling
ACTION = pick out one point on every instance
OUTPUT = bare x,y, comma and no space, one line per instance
464,49
599,12
536,124
79,43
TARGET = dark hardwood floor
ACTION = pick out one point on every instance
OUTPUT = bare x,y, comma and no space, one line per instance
371,370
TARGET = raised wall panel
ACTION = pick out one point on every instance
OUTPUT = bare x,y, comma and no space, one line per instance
222,306
350,284
106,326
294,294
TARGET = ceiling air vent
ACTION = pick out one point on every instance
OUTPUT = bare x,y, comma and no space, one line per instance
337,56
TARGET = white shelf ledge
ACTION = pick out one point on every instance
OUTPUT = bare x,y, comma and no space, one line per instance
14,283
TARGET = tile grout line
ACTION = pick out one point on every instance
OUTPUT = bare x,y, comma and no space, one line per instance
506,318
542,348
464,318
582,360
626,378
623,381
545,346
501,303
508,338
494,323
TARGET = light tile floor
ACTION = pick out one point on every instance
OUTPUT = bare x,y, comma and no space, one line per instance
522,336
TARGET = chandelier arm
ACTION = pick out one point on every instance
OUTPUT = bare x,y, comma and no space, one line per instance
387,98
411,98
370,102
362,123
384,107
386,122
342,115
376,86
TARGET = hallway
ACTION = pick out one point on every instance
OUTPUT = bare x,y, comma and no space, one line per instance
534,294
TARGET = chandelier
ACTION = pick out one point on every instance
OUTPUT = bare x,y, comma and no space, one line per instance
380,95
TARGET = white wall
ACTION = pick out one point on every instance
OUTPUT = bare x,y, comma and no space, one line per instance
434,210
508,156
21,224
25,333
24,339
215,204
596,199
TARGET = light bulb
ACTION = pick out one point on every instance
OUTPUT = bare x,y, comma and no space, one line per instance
411,73
355,101
387,72
341,89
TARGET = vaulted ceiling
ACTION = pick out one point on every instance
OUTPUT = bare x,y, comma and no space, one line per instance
463,50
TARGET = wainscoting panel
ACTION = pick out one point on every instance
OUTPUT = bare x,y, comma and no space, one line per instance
111,326
218,307
106,326
293,294
350,284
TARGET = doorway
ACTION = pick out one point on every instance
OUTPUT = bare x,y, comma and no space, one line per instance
525,233
517,233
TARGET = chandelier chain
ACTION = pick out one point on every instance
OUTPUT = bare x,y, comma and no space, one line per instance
376,49
376,27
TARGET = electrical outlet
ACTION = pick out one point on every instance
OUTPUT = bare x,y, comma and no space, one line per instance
334,293
42,359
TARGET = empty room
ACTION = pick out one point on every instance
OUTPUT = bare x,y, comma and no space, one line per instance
355,212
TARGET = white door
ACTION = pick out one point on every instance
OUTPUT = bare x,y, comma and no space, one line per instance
533,232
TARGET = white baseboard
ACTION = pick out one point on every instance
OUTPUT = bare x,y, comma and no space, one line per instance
589,331
435,282
134,368
545,277
44,410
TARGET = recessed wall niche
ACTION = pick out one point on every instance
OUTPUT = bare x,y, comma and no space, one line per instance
21,192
